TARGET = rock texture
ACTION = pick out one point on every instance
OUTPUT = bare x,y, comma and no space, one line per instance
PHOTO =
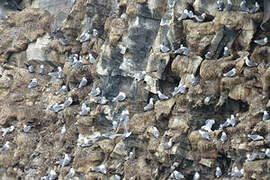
92,52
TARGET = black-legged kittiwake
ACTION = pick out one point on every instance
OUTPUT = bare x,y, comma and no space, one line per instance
262,42
230,73
33,83
250,63
162,96
150,105
83,83
120,97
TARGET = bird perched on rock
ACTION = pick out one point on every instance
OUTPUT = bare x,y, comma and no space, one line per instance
95,32
155,132
255,137
68,102
85,37
63,129
265,116
26,128
83,83
262,42
120,97
250,63
7,130
220,5
5,147
226,51
193,80
33,83
65,161
184,15
150,105
200,18
196,176
162,96
179,89
41,69
103,100
208,125
51,176
204,134
164,49
218,172
177,175
167,145
58,74
228,6
140,76
182,50
30,69
57,107
91,58
95,92
84,110
70,174
62,90
230,73
243,6
223,137
208,55
267,152
101,168
255,8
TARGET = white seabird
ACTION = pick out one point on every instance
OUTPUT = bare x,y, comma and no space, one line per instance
33,83
70,174
262,42
162,96
150,105
26,128
265,116
250,63
68,102
101,168
5,147
92,59
65,161
230,73
83,83
84,110
218,172
120,97
95,92
167,145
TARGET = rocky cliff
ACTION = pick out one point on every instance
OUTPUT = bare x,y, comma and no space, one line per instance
138,89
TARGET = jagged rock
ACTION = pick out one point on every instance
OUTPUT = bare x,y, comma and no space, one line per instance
163,108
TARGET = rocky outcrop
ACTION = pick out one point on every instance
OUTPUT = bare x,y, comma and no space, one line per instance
134,90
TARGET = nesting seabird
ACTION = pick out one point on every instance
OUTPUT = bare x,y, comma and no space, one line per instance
103,100
63,129
31,69
265,116
267,152
196,176
5,147
65,161
255,8
204,134
62,90
83,83
115,177
95,32
223,137
95,92
179,89
184,15
230,73
101,168
84,110
77,63
162,96
167,145
226,51
200,18
57,107
26,128
243,6
208,55
70,174
7,130
91,58
251,157
228,7
150,105
262,42
140,76
85,37
193,80
164,48
33,83
218,172
178,175
255,137
220,5
155,132
208,125
41,69
182,50
68,102
250,63
120,97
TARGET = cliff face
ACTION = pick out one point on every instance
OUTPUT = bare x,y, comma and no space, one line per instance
64,62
